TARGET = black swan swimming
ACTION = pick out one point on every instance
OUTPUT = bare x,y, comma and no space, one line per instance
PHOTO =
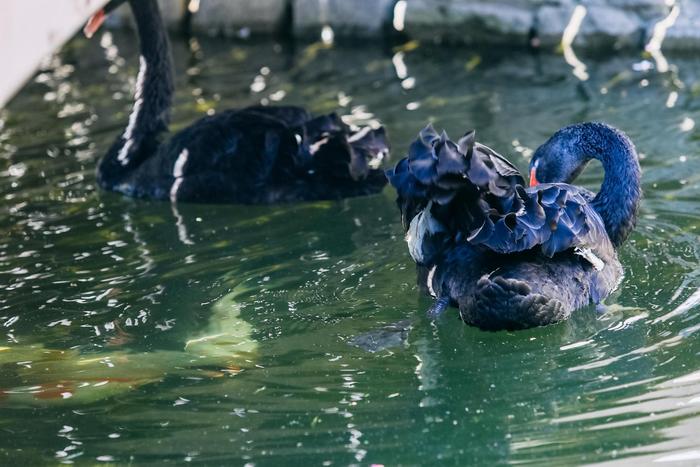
254,155
512,257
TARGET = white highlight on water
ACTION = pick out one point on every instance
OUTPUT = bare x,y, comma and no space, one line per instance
193,6
400,15
687,124
327,35
672,99
400,65
123,156
685,456
144,253
689,303
182,234
658,36
567,40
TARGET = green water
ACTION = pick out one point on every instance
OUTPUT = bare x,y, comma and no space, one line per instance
140,332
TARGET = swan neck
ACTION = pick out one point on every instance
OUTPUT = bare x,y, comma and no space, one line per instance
155,80
617,202
150,114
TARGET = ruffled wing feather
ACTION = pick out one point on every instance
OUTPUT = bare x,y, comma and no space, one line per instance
553,217
478,196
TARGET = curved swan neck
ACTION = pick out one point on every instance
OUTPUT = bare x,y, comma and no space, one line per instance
152,97
617,201
156,67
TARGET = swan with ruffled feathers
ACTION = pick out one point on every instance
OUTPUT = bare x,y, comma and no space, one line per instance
510,256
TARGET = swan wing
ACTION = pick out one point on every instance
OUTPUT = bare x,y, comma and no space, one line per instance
552,217
455,184
477,196
258,145
502,165
440,170
245,142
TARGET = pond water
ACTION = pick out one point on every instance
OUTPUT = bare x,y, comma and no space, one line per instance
142,332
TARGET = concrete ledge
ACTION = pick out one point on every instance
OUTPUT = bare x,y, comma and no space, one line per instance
611,24
346,17
471,22
685,33
608,23
607,26
230,16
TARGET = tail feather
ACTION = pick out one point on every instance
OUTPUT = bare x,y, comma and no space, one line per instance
437,169
324,147
463,182
508,304
334,150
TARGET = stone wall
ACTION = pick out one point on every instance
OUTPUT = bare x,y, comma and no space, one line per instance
605,23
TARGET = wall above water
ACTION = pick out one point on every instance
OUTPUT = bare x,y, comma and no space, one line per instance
598,23
608,24
27,37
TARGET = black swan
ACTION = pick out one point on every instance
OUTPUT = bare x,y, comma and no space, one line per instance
254,155
512,257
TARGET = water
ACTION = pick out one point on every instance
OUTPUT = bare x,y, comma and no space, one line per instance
140,332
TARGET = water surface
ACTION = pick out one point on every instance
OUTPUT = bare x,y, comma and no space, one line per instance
142,332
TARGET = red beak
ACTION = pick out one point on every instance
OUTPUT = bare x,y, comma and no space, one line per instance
533,179
94,23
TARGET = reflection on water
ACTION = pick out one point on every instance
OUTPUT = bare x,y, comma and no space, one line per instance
567,40
125,324
659,34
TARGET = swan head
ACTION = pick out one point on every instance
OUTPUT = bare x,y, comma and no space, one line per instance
562,158
100,16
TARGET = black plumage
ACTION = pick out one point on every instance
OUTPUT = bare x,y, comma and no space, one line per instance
513,257
255,155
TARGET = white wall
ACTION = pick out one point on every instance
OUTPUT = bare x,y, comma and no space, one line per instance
31,30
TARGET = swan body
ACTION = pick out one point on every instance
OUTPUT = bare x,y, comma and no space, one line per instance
253,155
508,256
